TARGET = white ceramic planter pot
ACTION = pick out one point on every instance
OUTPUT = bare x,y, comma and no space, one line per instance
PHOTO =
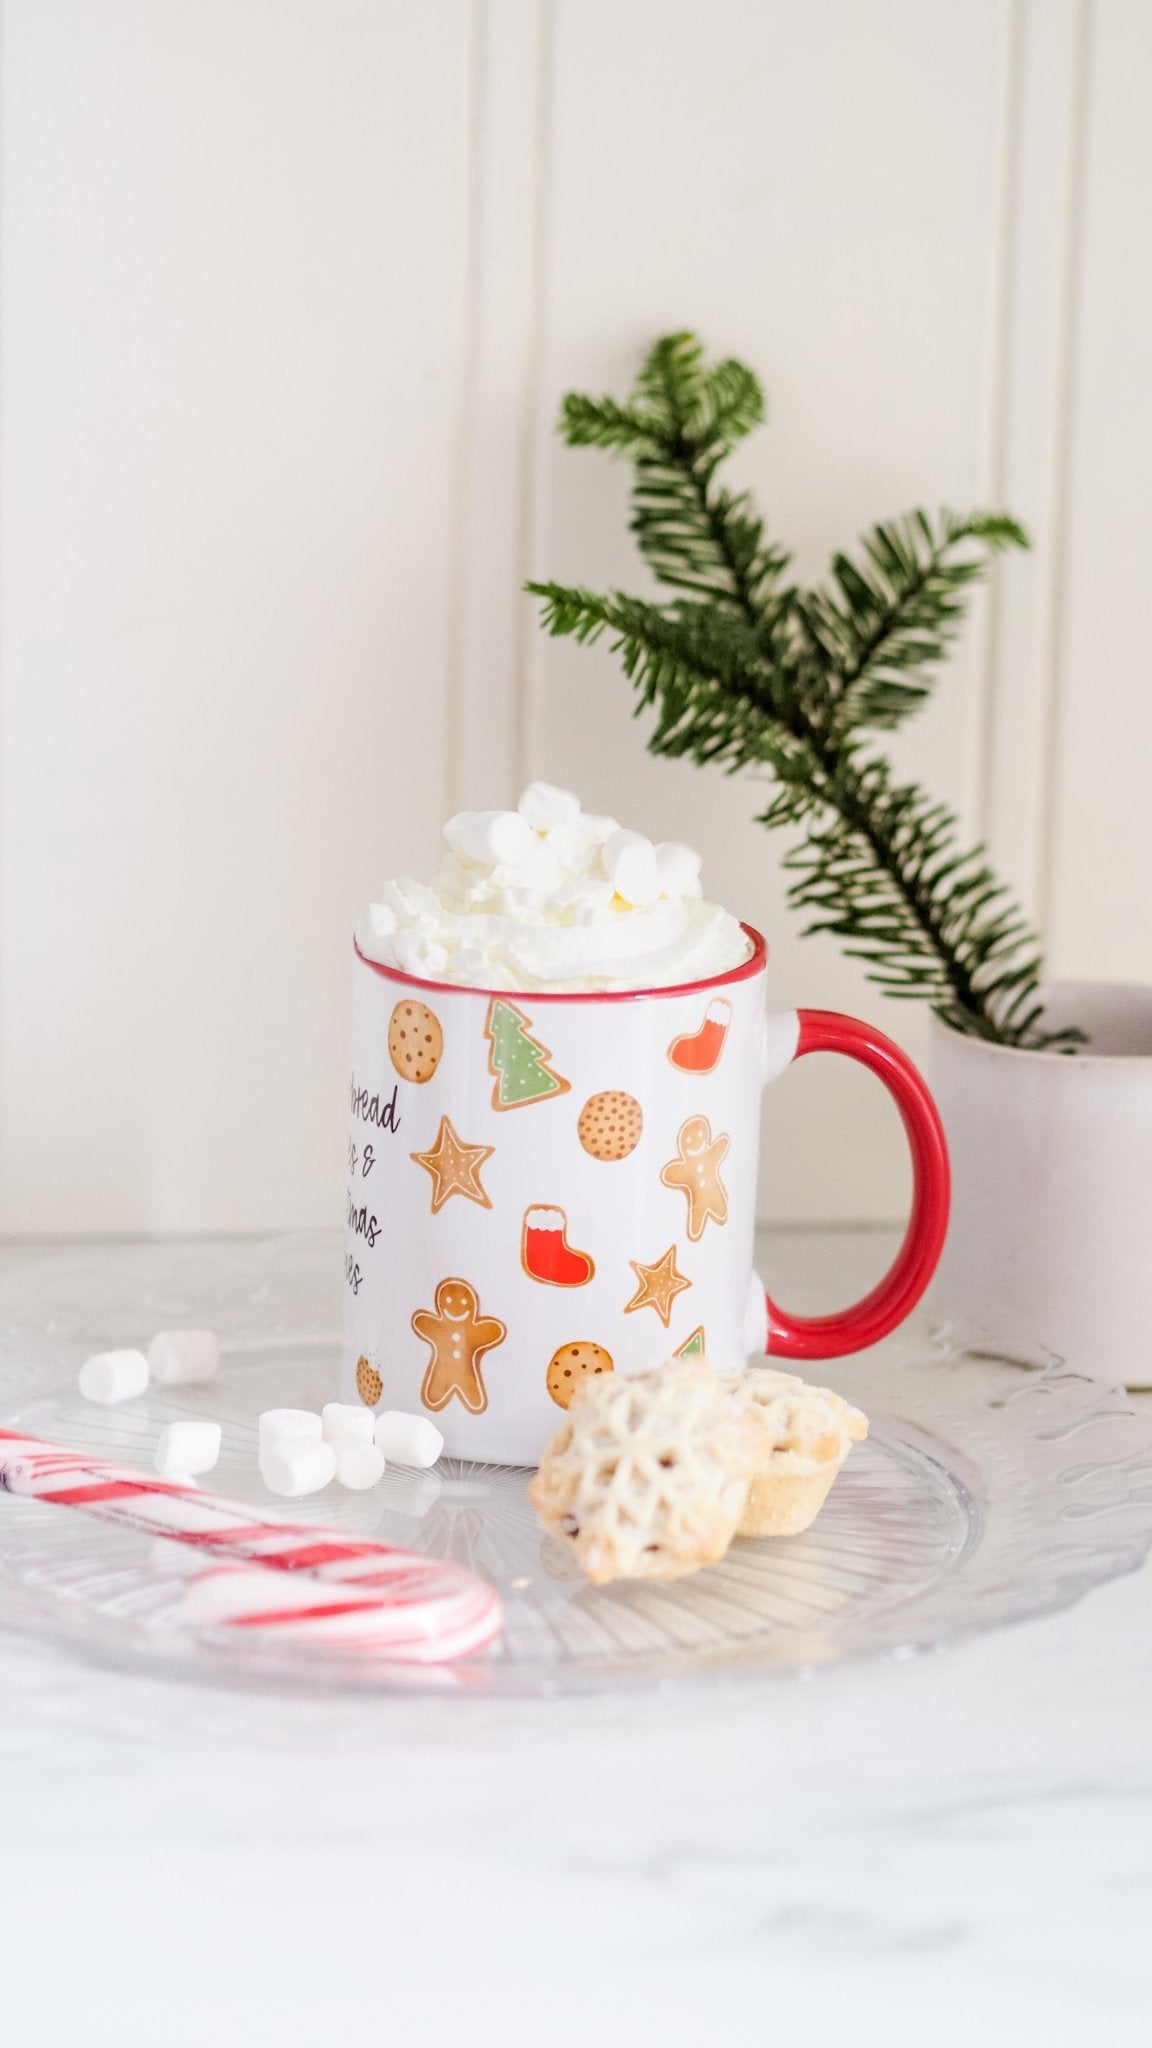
1051,1230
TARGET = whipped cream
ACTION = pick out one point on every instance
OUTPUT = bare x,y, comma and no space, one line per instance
549,896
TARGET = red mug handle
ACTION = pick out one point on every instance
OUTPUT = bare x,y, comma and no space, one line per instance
897,1294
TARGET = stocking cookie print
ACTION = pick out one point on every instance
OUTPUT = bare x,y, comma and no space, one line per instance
545,1252
698,1052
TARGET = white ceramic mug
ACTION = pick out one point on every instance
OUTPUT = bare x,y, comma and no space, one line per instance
542,1186
1051,1236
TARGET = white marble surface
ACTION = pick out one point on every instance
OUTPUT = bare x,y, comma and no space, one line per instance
955,1847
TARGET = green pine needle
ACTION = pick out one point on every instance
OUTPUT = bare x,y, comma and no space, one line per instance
746,670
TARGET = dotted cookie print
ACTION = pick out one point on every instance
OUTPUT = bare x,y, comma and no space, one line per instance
610,1124
569,1367
415,1041
369,1384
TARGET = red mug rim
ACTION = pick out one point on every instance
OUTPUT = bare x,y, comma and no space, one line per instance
756,961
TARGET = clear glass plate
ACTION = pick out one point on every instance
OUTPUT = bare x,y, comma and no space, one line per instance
994,1485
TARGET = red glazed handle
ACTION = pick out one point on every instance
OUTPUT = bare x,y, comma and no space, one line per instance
899,1291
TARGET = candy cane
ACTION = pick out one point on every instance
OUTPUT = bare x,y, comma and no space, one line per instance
416,1608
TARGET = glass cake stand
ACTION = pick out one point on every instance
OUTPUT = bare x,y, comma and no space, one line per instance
994,1486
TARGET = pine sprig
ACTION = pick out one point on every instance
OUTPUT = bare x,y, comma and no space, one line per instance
679,424
749,672
891,616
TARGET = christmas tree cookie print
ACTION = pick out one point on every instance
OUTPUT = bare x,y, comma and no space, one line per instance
695,1345
698,1052
517,1062
545,1252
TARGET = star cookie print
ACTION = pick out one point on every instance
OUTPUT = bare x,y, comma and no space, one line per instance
454,1168
657,1285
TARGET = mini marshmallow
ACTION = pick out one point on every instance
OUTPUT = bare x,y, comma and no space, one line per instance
187,1447
569,845
287,1425
630,864
596,828
113,1376
543,805
180,1358
577,842
678,867
408,1439
358,1465
298,1465
489,837
345,1421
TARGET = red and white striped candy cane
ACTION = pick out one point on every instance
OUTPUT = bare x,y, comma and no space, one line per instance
417,1609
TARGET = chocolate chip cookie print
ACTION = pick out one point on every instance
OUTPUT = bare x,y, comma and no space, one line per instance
415,1041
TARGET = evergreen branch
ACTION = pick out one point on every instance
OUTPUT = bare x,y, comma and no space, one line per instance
601,423
891,617
883,872
679,423
697,668
748,674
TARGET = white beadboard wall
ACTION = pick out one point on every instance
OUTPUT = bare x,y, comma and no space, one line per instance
289,291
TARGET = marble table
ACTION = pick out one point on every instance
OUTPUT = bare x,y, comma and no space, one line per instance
956,1847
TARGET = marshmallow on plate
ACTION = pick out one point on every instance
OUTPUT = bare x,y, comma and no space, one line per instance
358,1465
113,1376
180,1358
408,1439
298,1465
187,1447
287,1425
343,1421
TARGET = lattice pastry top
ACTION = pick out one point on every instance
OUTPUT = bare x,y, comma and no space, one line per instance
806,1427
649,1476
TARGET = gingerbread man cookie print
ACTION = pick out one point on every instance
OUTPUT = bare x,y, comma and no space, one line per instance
696,1172
458,1336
